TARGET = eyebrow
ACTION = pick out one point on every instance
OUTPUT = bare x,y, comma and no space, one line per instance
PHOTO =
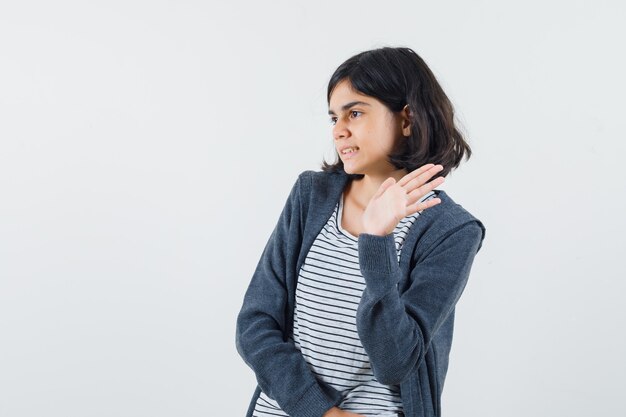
348,105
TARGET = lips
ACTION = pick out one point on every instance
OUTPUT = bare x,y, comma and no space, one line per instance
343,148
349,154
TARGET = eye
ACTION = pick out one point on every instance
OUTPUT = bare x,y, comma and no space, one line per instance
333,120
355,111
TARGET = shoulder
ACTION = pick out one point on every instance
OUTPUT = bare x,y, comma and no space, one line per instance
449,211
449,217
319,183
320,177
314,185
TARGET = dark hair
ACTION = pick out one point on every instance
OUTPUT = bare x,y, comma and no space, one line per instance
399,77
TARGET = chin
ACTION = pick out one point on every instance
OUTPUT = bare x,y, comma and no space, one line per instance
349,169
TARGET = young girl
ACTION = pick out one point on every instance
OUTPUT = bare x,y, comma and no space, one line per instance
350,310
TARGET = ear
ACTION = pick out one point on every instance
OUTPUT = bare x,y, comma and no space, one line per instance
405,115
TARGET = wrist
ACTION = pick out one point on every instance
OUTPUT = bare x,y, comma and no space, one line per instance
375,232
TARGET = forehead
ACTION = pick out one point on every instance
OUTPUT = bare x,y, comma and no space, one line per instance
344,96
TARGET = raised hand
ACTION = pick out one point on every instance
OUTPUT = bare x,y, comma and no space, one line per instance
395,200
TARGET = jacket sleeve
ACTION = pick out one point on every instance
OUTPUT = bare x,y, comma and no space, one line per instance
396,329
281,371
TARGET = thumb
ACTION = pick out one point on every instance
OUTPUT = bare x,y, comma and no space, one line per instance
386,184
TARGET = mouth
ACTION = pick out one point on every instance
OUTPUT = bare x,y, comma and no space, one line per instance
348,153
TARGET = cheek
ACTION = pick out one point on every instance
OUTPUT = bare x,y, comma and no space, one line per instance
386,142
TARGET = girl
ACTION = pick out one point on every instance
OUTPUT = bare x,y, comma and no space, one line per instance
350,310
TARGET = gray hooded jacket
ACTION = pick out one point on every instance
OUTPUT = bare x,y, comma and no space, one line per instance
405,317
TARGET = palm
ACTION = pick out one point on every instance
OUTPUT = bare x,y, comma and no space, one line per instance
395,200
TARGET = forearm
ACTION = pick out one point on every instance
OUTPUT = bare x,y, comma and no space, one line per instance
395,329
281,370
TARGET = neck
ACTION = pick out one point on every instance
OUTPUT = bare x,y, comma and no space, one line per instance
362,190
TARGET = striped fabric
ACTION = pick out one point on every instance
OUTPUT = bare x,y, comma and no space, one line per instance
328,292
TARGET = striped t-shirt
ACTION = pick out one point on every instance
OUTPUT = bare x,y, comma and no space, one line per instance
328,292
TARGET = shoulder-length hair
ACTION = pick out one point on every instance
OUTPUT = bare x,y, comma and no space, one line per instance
399,77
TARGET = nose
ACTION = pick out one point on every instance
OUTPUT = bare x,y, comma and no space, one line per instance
339,130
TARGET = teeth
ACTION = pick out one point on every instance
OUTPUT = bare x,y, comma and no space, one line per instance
348,150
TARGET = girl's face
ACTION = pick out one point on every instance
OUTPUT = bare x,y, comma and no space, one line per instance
368,126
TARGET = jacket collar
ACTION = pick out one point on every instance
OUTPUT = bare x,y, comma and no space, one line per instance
336,182
326,191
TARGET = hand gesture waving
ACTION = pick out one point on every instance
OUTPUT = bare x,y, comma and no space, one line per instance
395,200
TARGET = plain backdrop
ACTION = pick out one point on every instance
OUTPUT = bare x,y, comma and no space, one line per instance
148,147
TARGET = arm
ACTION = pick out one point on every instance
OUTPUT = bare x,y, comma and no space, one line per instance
281,370
395,329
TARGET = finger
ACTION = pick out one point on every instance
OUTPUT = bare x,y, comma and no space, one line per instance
421,206
419,192
386,184
423,177
408,177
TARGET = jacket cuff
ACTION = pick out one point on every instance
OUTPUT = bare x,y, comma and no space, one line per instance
313,403
378,260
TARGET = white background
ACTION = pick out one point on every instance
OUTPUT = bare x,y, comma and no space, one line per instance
147,148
